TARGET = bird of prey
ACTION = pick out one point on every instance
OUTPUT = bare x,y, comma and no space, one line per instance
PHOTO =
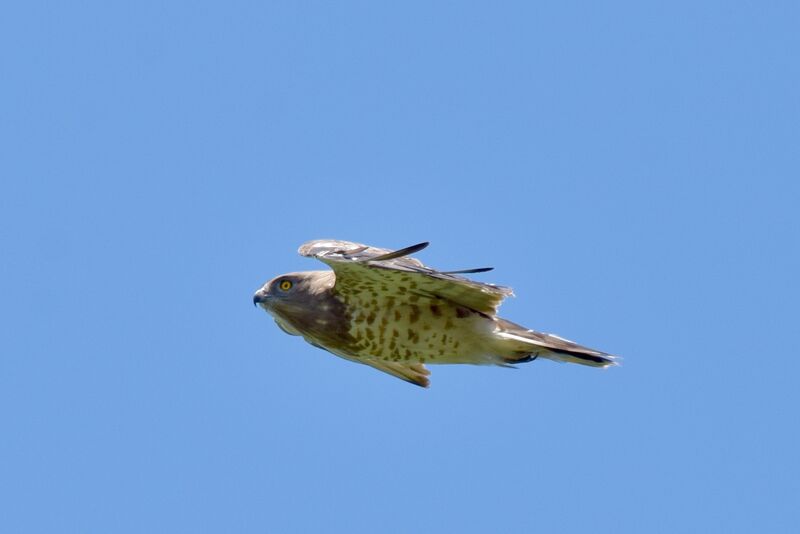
385,309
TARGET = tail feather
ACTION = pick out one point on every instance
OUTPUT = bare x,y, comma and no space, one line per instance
526,345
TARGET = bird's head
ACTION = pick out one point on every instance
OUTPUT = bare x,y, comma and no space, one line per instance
293,293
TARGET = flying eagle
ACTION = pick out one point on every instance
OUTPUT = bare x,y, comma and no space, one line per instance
385,309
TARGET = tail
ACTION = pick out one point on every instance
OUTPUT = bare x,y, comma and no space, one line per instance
518,345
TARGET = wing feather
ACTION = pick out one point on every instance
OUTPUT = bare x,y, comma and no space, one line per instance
415,373
398,274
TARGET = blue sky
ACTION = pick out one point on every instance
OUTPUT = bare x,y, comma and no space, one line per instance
630,169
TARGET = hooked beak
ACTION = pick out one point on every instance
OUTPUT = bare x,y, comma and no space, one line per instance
258,298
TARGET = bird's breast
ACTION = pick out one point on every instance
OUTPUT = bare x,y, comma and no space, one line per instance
323,319
424,330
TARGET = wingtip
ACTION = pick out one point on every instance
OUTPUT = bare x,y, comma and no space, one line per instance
399,253
424,383
470,271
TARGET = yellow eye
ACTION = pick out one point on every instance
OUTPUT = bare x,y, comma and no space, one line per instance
285,285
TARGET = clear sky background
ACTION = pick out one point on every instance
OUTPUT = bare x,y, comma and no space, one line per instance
631,169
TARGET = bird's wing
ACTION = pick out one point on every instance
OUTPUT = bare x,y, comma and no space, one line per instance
415,373
361,270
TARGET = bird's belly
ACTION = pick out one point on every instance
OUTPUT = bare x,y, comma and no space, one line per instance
435,332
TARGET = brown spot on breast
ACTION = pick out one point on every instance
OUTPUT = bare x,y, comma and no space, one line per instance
397,315
395,333
371,317
448,325
412,336
462,312
412,318
435,310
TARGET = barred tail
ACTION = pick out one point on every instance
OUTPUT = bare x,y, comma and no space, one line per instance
519,345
